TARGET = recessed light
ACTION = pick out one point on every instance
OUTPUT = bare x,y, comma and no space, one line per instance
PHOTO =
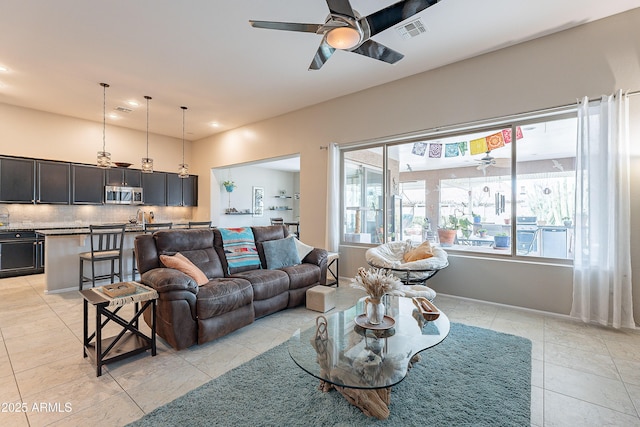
3,69
133,103
113,116
215,124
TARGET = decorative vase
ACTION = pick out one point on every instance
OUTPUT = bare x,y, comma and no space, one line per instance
374,310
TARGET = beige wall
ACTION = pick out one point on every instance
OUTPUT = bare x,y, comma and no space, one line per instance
32,133
590,60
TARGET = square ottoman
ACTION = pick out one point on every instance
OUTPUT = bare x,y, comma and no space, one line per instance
321,298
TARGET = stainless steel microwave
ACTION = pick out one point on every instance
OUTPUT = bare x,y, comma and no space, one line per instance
118,195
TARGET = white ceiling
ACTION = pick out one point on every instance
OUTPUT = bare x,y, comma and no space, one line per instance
204,54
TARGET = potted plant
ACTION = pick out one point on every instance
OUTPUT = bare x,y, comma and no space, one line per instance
502,240
476,218
229,185
567,221
482,232
449,229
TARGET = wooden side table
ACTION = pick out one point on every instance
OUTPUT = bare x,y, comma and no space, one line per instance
333,268
130,340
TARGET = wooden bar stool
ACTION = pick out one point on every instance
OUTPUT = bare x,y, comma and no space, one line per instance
106,245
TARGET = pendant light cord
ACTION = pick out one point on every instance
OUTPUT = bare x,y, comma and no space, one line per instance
104,115
147,98
183,110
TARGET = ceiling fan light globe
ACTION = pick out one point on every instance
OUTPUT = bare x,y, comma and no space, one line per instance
343,38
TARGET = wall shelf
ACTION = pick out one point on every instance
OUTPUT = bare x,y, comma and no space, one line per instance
280,209
282,197
238,213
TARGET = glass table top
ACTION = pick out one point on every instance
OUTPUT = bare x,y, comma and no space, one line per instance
349,355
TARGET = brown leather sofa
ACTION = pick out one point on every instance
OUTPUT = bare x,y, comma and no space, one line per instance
188,314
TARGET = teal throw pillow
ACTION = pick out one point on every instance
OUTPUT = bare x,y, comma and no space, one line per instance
280,253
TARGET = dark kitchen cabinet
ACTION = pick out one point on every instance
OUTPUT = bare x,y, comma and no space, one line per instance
174,190
52,182
182,191
87,185
17,178
20,253
190,191
125,177
154,187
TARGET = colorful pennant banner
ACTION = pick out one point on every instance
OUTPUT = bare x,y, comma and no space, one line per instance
478,146
475,146
495,141
435,150
451,150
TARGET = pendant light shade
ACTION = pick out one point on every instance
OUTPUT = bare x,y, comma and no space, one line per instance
147,163
104,158
183,168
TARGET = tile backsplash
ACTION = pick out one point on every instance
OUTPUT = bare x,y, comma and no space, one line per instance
29,216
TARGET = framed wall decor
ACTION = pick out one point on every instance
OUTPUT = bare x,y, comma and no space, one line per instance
258,201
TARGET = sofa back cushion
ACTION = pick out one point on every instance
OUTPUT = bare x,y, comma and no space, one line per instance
267,233
195,244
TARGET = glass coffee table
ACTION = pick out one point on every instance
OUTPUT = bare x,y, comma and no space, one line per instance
363,363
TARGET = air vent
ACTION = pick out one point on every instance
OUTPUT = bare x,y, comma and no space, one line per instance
411,29
123,109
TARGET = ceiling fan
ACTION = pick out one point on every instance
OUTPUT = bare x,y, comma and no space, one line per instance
345,29
489,160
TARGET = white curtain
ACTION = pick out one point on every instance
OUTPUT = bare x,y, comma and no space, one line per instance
333,198
602,264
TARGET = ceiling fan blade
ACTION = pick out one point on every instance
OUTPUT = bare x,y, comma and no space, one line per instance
286,26
396,13
323,54
341,7
378,51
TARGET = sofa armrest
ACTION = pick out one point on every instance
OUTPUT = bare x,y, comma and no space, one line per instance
318,257
168,279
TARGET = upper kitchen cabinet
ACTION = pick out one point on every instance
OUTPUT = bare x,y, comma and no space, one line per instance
190,191
174,190
182,191
154,187
17,178
125,177
52,182
88,185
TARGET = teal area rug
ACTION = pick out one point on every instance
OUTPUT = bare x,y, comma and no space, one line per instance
475,377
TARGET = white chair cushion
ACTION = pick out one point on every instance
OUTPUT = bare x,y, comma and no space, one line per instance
390,255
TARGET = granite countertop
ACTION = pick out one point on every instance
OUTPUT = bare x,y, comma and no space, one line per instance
69,229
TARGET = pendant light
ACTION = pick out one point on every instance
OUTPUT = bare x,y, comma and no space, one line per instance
183,168
147,163
104,158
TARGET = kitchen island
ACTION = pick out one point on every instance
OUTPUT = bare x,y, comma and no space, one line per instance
62,247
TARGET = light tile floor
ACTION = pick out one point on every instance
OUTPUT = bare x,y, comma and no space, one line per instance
581,375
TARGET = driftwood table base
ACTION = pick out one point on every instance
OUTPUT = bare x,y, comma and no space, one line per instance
372,402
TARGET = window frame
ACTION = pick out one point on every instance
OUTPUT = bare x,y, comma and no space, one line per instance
515,121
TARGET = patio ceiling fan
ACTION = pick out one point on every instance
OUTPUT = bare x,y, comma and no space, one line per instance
489,160
345,29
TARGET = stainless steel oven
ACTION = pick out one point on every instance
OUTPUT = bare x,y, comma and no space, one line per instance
119,195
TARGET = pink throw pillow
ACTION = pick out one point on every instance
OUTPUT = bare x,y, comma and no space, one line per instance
182,263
